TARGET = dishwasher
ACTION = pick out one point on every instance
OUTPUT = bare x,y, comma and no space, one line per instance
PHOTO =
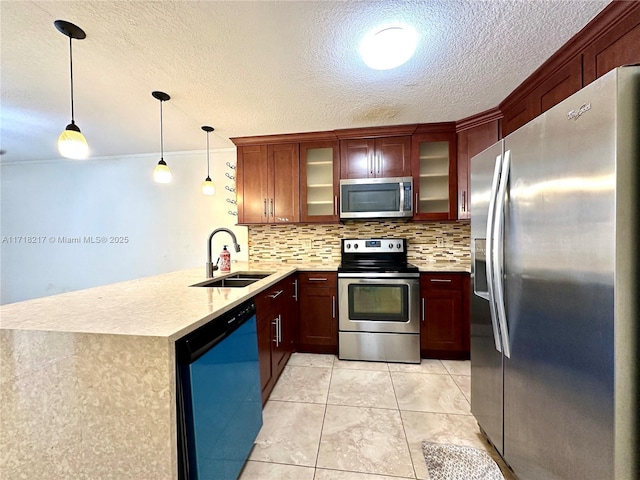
218,399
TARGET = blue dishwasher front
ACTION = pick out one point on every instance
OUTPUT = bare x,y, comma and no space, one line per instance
219,400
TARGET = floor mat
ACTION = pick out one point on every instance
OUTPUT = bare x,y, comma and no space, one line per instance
457,462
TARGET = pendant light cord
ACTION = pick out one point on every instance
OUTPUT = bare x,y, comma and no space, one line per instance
208,155
161,129
71,70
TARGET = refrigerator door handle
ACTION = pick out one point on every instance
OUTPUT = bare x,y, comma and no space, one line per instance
497,253
489,253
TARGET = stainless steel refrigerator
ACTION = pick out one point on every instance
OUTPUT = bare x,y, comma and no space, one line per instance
555,335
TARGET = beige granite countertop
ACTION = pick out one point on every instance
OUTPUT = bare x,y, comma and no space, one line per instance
161,306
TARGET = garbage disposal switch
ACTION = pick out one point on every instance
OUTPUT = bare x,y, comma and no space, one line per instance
218,399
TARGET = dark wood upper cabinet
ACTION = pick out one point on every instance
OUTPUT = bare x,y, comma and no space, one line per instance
617,44
252,177
375,157
434,175
479,132
267,183
319,181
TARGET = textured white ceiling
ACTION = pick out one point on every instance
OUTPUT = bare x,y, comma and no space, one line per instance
260,67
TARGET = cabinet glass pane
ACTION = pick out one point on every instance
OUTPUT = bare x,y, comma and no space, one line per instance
434,177
320,181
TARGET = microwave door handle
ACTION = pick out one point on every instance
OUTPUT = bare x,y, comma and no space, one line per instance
401,197
489,253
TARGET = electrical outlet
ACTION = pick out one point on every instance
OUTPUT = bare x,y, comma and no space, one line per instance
439,242
306,244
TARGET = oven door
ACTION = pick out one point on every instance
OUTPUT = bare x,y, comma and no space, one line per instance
387,305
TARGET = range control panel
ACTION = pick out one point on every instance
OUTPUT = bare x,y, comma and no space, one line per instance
374,245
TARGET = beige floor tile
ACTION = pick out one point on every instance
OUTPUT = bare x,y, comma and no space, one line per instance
362,388
290,433
457,367
322,474
425,366
438,428
464,382
356,365
426,392
366,440
275,471
311,360
302,384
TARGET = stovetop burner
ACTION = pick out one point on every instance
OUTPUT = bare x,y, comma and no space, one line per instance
378,255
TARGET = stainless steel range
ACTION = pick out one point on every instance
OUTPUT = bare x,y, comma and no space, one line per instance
378,296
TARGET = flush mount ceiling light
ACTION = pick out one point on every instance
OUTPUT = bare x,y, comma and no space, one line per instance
208,188
388,46
71,143
161,174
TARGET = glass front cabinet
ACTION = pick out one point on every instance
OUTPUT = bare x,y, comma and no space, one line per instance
434,176
319,181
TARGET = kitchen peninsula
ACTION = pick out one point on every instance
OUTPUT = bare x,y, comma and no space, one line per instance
88,382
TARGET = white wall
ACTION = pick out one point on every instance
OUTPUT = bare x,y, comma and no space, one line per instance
167,226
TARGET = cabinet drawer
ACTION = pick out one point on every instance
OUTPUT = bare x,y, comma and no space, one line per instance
318,279
440,281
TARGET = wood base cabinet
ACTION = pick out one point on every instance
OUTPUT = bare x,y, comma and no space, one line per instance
276,312
318,312
445,322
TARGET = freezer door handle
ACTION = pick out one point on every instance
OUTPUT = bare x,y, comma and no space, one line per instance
497,253
489,253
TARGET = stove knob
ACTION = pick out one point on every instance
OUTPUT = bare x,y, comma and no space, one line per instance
348,245
391,245
355,246
398,245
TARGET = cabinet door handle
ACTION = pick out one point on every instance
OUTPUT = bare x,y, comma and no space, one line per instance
295,290
275,334
333,306
464,201
440,280
279,329
335,205
416,207
265,207
271,206
370,161
422,309
380,163
275,295
317,279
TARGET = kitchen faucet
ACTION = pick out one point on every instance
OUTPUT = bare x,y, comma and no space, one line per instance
210,266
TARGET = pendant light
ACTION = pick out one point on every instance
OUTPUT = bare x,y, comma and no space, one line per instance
71,143
161,174
208,188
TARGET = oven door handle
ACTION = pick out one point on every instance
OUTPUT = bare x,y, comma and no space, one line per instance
380,275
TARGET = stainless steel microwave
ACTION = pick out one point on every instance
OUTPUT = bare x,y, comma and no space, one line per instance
376,198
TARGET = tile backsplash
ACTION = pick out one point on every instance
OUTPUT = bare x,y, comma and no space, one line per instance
436,242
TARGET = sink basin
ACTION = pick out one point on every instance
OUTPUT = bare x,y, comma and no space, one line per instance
237,280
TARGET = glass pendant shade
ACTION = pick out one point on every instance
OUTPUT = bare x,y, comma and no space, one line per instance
72,144
208,187
162,174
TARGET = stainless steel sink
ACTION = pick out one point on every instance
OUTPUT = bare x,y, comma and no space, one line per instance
236,280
